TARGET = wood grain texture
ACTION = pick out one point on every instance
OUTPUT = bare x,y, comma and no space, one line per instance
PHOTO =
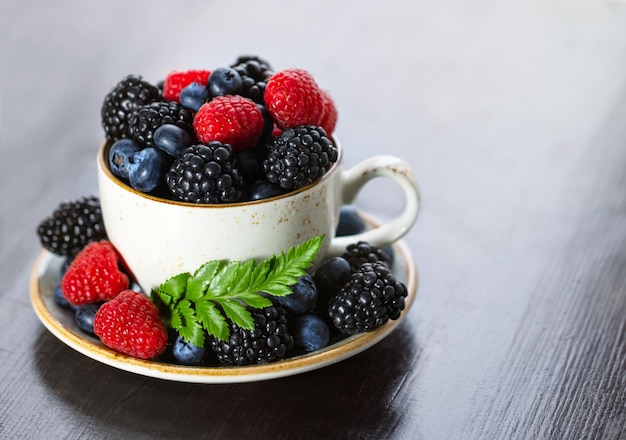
513,115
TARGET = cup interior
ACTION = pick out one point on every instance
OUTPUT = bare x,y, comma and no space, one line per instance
162,196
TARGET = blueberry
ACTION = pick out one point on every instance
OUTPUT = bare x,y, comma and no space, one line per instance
225,81
119,153
332,273
330,276
147,168
194,96
388,250
310,332
172,139
264,189
84,316
66,264
303,298
60,300
187,353
350,222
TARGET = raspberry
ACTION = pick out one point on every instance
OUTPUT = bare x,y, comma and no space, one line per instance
72,226
130,323
276,130
293,98
230,119
175,82
94,275
329,114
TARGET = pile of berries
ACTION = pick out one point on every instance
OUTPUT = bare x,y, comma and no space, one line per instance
354,293
236,133
269,132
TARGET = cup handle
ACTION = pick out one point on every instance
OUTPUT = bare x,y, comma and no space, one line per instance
353,181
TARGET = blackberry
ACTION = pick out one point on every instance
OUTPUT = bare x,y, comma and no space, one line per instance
362,252
254,73
299,156
206,174
159,86
245,58
146,119
130,93
372,297
72,226
268,342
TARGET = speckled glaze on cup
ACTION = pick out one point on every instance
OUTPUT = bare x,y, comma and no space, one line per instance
160,238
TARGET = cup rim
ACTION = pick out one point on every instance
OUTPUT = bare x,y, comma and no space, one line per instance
104,167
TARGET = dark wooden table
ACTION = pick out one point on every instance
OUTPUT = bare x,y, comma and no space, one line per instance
513,115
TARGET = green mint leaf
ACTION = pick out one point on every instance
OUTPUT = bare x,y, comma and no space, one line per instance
245,274
259,273
176,321
222,281
201,279
212,320
238,314
193,333
255,300
283,270
188,326
220,289
279,287
173,289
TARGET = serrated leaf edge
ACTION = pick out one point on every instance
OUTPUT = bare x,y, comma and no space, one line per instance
205,289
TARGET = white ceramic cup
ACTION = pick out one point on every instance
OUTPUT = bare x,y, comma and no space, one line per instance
160,238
